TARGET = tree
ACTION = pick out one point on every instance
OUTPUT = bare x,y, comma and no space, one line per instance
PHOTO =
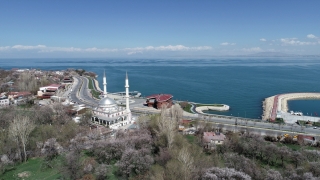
185,158
283,153
135,161
216,173
72,166
167,125
20,129
43,115
101,171
273,175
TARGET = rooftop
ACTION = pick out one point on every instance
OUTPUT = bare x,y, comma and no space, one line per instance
209,136
160,97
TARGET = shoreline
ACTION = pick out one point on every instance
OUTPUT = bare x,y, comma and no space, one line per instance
214,108
283,99
279,102
267,105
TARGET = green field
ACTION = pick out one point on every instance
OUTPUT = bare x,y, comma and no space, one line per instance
217,105
303,123
93,91
188,108
190,138
33,169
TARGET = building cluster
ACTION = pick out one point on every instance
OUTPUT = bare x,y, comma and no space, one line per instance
12,95
17,98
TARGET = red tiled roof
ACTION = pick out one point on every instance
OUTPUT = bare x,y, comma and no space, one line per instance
208,136
311,138
160,97
185,121
54,85
23,93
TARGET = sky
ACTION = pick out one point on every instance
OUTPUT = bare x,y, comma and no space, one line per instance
157,28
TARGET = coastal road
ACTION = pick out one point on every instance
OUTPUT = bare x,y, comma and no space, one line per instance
81,95
80,92
234,123
85,94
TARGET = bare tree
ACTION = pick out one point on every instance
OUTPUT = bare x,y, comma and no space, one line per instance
20,129
143,121
186,159
176,113
167,125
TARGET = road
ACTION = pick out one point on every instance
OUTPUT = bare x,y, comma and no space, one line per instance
80,94
234,123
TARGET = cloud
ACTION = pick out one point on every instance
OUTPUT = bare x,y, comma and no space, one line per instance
227,44
135,52
253,49
22,47
129,51
165,48
263,39
311,36
94,49
4,48
295,41
61,49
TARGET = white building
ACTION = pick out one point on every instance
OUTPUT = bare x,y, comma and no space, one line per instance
108,113
4,101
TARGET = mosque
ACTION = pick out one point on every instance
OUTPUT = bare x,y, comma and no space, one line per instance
108,113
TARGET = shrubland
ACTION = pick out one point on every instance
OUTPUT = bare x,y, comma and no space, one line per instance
154,151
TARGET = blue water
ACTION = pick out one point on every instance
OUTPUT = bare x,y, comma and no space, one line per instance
242,83
307,107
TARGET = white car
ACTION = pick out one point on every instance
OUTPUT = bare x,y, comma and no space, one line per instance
315,127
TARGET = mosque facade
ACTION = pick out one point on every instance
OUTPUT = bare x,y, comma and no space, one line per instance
108,113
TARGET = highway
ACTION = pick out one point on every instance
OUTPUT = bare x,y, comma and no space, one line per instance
234,123
81,95
80,92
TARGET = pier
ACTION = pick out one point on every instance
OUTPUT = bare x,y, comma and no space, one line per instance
278,104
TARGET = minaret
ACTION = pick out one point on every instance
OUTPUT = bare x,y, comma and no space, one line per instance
104,85
127,97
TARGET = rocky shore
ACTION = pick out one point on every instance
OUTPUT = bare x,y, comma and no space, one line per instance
267,105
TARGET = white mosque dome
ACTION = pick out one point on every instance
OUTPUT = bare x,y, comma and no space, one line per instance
107,102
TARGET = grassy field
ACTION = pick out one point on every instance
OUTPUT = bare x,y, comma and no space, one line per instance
187,108
217,105
303,123
33,169
190,138
296,147
93,91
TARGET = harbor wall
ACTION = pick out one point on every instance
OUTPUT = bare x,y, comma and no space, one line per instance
282,102
214,108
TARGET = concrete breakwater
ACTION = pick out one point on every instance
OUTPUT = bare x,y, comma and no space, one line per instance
284,98
214,108
277,103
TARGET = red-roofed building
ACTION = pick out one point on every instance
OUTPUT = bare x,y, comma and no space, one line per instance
51,87
210,139
159,100
15,95
306,139
67,80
